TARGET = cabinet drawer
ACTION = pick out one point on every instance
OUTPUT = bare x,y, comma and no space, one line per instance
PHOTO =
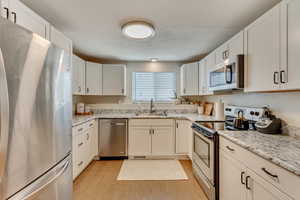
151,122
277,176
90,124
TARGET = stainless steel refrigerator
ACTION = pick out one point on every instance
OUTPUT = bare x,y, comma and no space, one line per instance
35,117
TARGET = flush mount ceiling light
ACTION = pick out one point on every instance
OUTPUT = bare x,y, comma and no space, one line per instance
154,59
138,30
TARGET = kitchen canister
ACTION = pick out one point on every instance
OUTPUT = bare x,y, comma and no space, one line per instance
80,108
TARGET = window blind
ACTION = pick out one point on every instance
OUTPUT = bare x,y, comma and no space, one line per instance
159,86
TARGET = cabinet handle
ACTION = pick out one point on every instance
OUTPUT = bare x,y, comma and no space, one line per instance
184,91
150,132
176,124
275,78
79,130
230,149
15,17
269,173
122,91
7,12
87,136
87,90
153,131
91,125
242,178
79,89
247,183
282,76
80,163
80,144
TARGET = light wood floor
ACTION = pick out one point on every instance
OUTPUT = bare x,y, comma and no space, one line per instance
99,182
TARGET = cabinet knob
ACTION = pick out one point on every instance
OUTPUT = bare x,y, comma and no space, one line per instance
80,163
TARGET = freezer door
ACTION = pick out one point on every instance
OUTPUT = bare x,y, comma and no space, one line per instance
54,185
40,105
4,121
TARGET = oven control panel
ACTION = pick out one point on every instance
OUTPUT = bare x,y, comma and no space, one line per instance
249,113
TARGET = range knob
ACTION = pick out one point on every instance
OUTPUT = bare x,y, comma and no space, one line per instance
252,113
256,113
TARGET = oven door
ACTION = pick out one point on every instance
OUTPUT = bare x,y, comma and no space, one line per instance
203,155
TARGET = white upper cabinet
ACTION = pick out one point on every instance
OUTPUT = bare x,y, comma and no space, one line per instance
236,46
24,16
289,68
114,80
78,76
60,40
189,79
4,4
263,52
203,78
93,79
221,53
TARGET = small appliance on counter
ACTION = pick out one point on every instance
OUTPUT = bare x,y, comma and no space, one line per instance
269,125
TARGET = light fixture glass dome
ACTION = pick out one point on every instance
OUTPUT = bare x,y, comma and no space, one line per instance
138,30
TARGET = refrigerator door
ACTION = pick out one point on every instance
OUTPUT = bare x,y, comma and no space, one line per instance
4,122
54,185
40,105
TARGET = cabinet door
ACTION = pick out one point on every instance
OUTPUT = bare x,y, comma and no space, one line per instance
163,141
232,178
183,80
190,136
236,46
80,156
23,16
290,70
139,141
94,139
259,189
78,76
220,53
4,5
60,40
87,149
201,76
263,52
93,79
181,137
191,80
74,156
114,77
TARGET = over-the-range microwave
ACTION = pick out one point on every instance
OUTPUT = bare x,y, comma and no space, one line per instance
228,75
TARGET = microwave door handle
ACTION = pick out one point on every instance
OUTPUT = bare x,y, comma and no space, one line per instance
230,72
4,120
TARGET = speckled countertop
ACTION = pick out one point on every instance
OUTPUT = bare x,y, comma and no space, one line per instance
281,150
192,117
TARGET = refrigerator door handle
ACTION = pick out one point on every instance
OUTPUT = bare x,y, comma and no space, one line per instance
43,181
4,121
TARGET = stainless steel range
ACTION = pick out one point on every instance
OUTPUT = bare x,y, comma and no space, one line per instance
206,156
206,144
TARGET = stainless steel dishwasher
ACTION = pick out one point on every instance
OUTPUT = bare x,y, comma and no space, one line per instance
112,138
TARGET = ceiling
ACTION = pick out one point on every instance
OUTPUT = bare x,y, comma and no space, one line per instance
185,28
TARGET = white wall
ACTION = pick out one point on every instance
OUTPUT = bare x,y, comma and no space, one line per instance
285,105
135,67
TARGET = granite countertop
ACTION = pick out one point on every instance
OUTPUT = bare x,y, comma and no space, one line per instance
189,116
281,150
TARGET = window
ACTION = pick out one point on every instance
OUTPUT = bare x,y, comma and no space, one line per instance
159,86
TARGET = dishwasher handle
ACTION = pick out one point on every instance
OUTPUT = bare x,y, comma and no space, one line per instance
117,124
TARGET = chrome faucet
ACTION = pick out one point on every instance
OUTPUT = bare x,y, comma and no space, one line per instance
151,106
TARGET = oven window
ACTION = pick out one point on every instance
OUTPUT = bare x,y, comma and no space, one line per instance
202,149
217,78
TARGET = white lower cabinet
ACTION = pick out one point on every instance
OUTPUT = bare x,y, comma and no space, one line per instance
140,141
85,145
162,141
246,176
151,137
182,136
231,172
